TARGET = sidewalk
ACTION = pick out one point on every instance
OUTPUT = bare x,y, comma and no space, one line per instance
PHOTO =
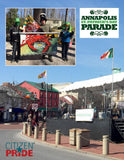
13,125
116,151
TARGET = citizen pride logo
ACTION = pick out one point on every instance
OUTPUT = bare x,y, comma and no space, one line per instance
19,149
99,23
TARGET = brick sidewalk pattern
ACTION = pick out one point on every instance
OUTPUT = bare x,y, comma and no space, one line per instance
115,150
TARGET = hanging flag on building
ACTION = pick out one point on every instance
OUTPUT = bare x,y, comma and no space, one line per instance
43,74
108,54
30,25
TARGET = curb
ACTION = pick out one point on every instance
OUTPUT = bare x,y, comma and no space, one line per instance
67,148
12,123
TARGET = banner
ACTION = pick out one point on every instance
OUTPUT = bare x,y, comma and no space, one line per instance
99,22
84,115
35,44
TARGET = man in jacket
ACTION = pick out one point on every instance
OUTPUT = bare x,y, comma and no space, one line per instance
15,40
44,28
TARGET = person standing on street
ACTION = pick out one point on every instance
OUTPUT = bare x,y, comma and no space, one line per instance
15,40
44,28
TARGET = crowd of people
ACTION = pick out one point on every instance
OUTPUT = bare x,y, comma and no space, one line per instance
65,35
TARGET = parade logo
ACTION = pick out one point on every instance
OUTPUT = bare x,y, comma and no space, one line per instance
19,149
99,23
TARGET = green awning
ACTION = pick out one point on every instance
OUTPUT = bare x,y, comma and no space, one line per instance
48,109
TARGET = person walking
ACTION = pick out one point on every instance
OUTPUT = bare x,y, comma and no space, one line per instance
15,40
34,123
44,28
66,34
29,120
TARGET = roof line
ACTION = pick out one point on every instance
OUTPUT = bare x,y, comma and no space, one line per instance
95,82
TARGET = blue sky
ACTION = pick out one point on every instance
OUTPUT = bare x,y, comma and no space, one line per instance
88,51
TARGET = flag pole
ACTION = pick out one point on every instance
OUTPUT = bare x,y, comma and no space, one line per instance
112,77
46,94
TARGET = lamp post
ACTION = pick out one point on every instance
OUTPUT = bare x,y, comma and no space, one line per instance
85,98
27,96
35,102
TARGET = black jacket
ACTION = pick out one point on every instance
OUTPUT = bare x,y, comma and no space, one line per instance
15,37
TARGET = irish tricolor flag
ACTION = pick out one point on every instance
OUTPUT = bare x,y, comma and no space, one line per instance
108,54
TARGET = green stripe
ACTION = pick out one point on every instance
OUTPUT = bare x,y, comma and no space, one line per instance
48,109
111,53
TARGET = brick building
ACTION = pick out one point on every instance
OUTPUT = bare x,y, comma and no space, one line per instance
38,90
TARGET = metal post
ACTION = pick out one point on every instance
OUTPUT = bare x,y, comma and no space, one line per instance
104,94
46,96
105,145
112,79
85,98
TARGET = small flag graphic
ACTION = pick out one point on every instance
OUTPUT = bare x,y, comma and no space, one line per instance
108,54
42,75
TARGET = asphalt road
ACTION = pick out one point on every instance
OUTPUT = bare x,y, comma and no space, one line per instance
40,151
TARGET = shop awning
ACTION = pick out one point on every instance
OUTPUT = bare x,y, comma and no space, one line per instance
18,110
48,109
68,99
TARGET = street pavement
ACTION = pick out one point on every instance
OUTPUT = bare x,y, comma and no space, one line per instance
41,151
116,151
36,59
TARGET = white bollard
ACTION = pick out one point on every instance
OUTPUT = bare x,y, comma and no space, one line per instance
29,130
44,134
36,132
58,137
105,145
25,128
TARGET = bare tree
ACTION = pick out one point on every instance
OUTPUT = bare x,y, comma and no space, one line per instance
48,13
25,13
21,13
30,11
72,17
53,13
